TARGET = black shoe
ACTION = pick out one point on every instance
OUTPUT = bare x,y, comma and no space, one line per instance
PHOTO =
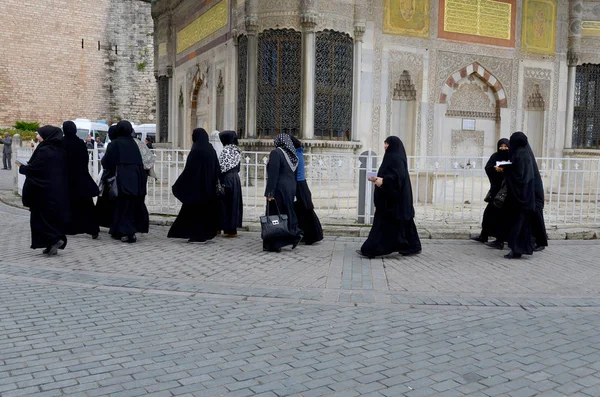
129,239
539,248
495,244
195,240
512,255
297,241
409,253
95,236
53,250
480,239
46,250
360,253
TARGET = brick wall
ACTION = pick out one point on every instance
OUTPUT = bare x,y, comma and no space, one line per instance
46,75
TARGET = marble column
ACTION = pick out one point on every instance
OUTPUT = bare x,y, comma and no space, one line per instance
309,24
574,49
359,32
252,78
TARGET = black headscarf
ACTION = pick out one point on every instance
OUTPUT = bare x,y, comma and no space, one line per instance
124,128
228,138
112,132
520,176
284,143
81,184
50,133
296,142
69,129
394,198
197,183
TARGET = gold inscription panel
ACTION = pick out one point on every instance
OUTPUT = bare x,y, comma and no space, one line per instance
539,27
478,21
205,25
406,17
590,28
479,18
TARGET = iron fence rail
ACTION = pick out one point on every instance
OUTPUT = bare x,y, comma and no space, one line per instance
445,189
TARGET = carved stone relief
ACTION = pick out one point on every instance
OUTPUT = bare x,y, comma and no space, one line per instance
398,62
471,97
470,141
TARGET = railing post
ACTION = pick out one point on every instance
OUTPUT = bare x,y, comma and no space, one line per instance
95,170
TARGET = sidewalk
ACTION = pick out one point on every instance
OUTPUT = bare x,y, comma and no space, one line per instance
426,230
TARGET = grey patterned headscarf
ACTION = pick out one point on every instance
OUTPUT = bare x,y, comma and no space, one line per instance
284,143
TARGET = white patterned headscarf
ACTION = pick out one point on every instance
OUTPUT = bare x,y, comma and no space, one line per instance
231,155
284,143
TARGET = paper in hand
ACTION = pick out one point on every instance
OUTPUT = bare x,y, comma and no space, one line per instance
21,161
371,174
501,163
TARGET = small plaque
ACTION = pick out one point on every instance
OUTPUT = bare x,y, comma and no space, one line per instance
468,124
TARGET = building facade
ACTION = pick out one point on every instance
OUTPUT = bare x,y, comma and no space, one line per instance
448,77
64,59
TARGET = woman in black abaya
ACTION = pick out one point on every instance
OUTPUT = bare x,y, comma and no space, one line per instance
281,190
520,205
232,205
124,160
493,224
394,228
82,188
198,219
308,221
46,191
105,207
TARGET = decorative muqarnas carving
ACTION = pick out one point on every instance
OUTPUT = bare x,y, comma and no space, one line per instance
404,90
536,100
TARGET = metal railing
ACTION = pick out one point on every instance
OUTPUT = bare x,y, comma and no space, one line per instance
445,189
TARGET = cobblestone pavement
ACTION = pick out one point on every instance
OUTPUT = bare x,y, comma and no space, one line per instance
165,317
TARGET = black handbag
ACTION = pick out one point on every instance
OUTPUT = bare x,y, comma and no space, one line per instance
274,227
500,198
488,197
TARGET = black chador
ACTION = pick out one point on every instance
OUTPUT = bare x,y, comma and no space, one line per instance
124,160
82,188
281,190
105,207
520,202
46,191
494,222
308,221
198,219
394,228
232,205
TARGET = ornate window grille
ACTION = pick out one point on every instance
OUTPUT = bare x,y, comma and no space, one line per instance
278,102
242,78
586,121
333,80
163,98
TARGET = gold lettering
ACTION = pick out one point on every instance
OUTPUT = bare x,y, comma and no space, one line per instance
205,25
485,18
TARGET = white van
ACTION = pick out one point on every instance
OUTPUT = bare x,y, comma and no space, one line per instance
144,131
87,127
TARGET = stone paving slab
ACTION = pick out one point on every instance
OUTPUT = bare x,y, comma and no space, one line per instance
63,340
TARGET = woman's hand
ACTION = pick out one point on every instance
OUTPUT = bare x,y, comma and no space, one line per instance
270,198
378,182
499,169
372,179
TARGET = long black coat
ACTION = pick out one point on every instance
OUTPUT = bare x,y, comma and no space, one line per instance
82,187
494,222
281,185
123,158
520,203
393,229
46,190
196,189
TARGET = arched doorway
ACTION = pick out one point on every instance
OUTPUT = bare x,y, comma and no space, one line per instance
471,123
